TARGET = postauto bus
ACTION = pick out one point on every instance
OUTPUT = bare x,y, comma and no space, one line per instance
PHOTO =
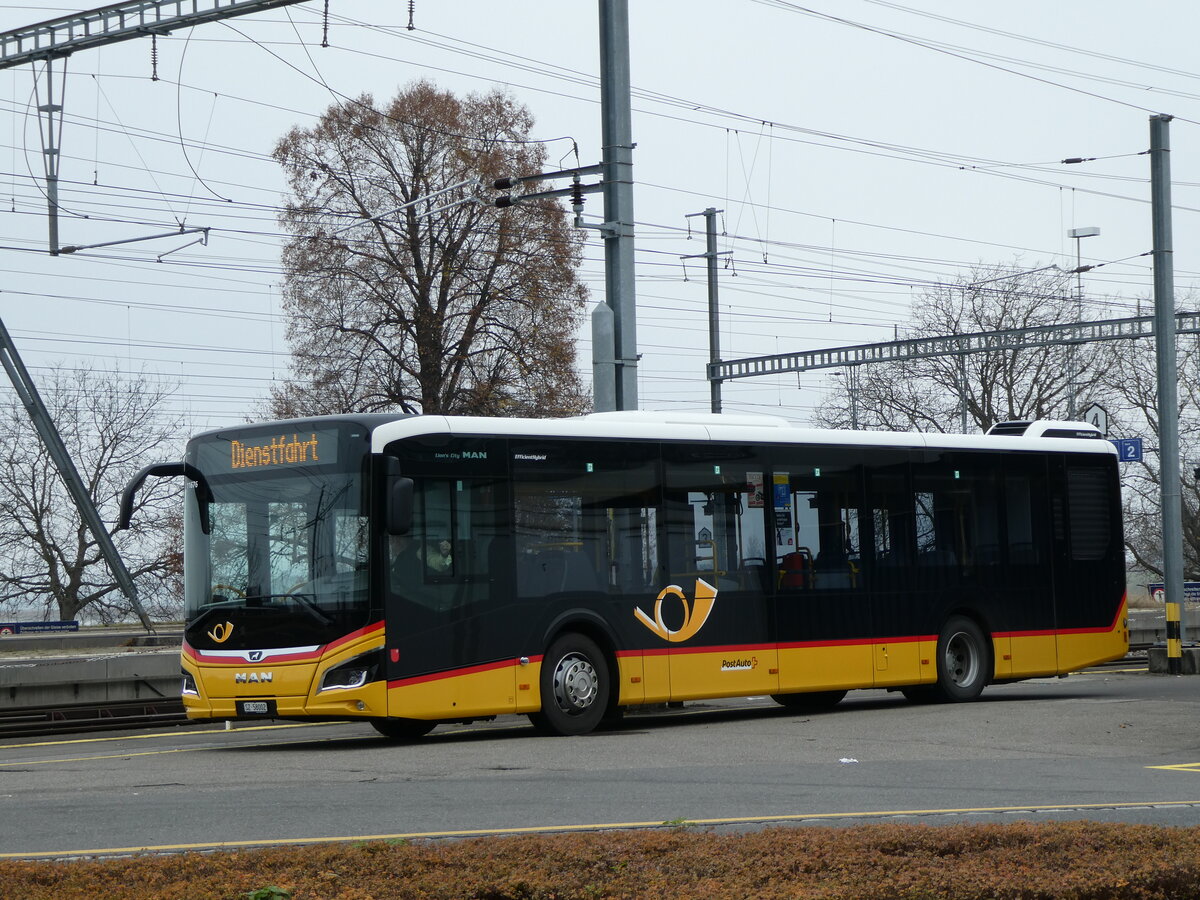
412,570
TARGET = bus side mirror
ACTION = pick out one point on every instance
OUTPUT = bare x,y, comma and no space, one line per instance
166,470
400,506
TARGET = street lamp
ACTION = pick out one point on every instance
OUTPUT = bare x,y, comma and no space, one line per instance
851,376
1079,234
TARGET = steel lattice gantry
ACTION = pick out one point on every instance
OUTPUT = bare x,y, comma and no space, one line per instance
61,37
949,345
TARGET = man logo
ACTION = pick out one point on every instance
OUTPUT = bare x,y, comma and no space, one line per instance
253,677
694,617
254,655
221,633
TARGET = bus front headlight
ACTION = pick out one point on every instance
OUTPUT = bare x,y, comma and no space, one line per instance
353,673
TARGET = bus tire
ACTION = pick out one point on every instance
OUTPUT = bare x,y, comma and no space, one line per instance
575,687
963,660
403,729
812,701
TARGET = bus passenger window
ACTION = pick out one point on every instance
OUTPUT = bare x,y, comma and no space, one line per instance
817,528
1089,503
716,517
939,508
586,519
956,503
1018,503
890,508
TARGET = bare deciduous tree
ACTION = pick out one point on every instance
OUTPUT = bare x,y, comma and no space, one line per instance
49,561
470,310
1131,401
928,394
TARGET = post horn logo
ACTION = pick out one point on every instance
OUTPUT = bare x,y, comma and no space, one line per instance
221,633
694,616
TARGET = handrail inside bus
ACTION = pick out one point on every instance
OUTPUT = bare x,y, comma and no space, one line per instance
166,470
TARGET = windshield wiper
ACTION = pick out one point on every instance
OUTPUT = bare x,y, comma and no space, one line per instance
309,606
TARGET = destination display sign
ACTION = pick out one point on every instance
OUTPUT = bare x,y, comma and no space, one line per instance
256,452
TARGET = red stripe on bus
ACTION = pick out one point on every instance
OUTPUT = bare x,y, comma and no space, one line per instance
787,645
201,656
858,642
725,649
1053,632
455,673
354,635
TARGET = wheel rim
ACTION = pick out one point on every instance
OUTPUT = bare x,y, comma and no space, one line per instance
576,684
962,662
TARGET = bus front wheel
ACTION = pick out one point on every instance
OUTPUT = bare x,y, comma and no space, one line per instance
963,660
575,687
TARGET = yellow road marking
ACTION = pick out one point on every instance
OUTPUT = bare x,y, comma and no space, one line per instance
604,826
1179,767
46,762
165,734
129,755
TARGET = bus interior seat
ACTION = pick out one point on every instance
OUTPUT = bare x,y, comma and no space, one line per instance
755,575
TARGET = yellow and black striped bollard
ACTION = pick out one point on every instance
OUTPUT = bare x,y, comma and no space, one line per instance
1174,643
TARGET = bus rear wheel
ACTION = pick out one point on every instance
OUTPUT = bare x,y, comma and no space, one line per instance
963,660
812,701
575,687
403,729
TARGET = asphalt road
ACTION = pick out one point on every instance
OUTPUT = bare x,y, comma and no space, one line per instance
1106,745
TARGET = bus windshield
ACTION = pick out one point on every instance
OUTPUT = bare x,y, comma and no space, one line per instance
285,558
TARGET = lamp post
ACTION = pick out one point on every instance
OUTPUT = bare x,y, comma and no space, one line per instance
1079,234
851,376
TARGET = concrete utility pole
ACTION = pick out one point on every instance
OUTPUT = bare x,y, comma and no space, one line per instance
714,330
1168,386
614,323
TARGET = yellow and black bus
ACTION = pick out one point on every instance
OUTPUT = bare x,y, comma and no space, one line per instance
411,570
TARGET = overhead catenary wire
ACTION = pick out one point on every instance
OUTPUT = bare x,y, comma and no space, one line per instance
216,265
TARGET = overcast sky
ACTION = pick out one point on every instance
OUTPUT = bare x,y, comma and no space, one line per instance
860,150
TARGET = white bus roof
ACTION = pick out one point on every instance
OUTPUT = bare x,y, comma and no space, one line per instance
647,425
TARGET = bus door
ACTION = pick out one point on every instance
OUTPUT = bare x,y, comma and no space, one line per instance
451,618
958,564
822,609
899,626
1034,568
715,604
1089,572
587,535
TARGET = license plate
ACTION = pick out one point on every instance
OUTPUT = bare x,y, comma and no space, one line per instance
256,707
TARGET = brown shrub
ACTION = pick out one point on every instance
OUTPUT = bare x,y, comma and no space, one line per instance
1019,861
